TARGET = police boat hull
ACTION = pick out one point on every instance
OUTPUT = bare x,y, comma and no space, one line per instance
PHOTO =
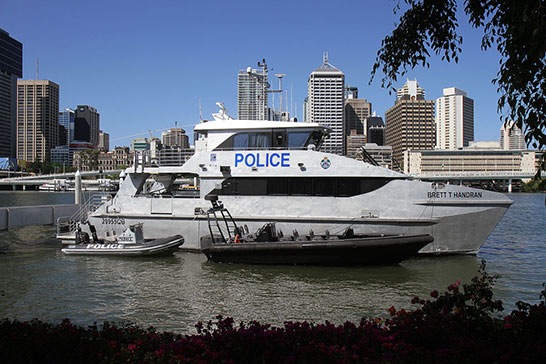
359,250
165,246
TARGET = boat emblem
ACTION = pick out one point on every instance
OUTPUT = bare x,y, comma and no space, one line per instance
325,163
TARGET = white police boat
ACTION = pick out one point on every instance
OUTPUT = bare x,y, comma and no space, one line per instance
275,171
130,243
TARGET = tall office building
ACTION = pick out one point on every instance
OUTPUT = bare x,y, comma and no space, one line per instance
375,130
66,121
87,125
356,112
326,87
175,137
454,119
512,137
252,88
37,119
104,141
410,123
11,68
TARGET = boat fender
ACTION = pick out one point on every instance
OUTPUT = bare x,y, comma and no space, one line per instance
236,240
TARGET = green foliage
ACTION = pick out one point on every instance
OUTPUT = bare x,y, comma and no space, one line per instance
535,185
516,28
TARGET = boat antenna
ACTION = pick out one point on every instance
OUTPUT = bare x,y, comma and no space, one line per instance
280,76
200,112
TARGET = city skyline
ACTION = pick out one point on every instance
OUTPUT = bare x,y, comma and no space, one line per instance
133,65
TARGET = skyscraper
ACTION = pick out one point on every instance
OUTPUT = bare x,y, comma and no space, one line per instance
87,124
454,119
326,86
356,112
252,88
11,68
66,121
37,119
410,123
375,130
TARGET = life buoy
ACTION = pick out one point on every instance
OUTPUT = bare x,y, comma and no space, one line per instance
236,240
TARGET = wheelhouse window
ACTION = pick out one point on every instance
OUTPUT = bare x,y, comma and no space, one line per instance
299,186
273,139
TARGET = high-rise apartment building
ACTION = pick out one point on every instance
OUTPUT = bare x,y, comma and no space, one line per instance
326,97
410,123
175,137
11,68
87,125
252,98
512,137
454,119
37,119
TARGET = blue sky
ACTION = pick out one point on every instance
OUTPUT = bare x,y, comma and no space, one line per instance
145,65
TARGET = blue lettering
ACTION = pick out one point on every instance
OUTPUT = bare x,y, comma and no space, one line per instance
275,164
285,162
238,158
247,158
258,160
253,159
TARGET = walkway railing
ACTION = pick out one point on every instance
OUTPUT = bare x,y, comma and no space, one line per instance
66,225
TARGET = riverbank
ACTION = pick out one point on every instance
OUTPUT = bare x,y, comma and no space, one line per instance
459,325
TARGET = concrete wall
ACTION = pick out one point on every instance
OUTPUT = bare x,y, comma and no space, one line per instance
34,215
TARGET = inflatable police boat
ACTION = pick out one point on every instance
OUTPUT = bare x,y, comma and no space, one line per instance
130,243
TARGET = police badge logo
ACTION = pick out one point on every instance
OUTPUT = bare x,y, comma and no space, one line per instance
325,163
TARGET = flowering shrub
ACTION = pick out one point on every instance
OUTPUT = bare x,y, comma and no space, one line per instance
460,325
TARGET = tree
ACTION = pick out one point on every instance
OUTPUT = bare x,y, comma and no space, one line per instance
515,27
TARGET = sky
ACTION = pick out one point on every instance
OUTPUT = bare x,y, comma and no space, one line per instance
146,65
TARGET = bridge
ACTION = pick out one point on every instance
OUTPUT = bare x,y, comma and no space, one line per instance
38,180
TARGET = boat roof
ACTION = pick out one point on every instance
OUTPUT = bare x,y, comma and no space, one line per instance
256,124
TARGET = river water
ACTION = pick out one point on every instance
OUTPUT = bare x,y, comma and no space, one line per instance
174,293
